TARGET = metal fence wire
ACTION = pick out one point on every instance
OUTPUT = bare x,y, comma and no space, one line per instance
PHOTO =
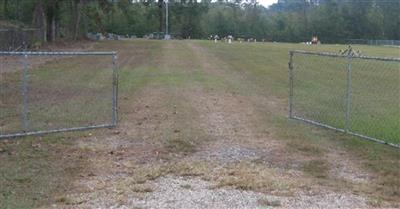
374,42
47,92
350,93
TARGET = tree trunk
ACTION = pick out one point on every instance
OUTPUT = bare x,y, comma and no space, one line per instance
5,9
52,17
160,15
305,19
85,21
53,28
40,21
78,7
18,10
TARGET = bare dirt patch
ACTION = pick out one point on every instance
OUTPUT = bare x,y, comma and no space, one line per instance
232,126
232,121
181,193
344,167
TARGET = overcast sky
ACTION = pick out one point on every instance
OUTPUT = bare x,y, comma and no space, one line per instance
267,3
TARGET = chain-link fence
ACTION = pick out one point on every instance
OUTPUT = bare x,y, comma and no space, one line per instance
46,92
349,93
373,42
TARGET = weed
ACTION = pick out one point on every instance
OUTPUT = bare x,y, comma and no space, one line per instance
186,186
141,188
181,145
317,168
270,203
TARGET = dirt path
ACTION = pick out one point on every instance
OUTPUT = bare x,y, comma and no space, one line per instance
187,139
233,121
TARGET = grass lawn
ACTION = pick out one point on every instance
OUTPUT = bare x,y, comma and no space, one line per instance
320,83
179,98
60,93
320,94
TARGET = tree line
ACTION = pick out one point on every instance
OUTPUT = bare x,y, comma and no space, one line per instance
287,20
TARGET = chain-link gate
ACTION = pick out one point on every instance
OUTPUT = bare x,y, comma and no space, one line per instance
48,92
347,92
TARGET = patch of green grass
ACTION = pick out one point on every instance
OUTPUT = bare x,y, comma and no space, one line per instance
32,171
320,83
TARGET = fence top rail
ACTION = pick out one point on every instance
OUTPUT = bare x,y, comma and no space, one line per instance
329,54
29,53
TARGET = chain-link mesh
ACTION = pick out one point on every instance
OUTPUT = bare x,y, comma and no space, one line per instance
11,70
349,93
56,92
319,89
376,99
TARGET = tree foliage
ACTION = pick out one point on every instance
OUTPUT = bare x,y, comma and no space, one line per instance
288,20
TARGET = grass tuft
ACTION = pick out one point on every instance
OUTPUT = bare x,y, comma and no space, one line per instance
269,203
247,176
141,188
317,168
181,145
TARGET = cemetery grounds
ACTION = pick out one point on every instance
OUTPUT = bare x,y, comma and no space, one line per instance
201,125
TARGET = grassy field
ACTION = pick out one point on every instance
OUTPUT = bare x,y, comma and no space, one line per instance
181,99
320,85
320,94
59,93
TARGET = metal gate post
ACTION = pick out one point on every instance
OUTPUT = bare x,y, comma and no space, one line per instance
291,85
25,94
115,91
348,90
